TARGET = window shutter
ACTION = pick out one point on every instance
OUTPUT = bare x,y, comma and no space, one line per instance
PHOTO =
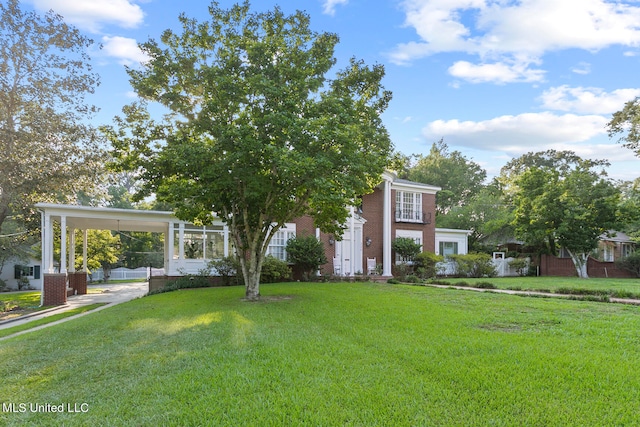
17,271
36,271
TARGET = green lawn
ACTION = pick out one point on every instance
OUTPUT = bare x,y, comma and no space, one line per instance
28,299
553,284
332,354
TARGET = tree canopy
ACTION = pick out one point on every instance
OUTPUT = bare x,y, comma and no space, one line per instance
459,177
561,199
48,152
626,123
256,133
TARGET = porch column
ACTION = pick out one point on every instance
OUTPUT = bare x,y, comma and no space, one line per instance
352,249
225,250
72,250
47,244
85,244
386,229
63,244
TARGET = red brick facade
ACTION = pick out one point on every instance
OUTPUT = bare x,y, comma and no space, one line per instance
55,289
372,212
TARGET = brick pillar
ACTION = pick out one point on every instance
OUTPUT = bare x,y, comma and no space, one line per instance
78,282
55,289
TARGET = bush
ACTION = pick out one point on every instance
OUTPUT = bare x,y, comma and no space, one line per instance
227,268
425,264
521,265
474,265
3,286
274,270
306,252
406,247
630,263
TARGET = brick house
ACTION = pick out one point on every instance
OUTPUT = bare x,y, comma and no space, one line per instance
396,208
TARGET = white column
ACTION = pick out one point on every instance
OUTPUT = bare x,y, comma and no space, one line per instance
85,245
225,249
72,250
386,230
352,248
63,244
169,246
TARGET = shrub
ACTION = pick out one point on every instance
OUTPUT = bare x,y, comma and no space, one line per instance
425,264
521,265
630,263
474,265
306,252
412,279
3,286
227,268
274,270
485,285
406,247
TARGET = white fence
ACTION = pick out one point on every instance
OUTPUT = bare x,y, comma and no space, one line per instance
503,269
122,273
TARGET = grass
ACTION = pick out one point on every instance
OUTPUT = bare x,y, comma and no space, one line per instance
22,299
49,319
332,354
557,284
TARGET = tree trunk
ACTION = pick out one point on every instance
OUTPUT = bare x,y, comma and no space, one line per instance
580,262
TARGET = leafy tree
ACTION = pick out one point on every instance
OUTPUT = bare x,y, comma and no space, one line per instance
570,206
459,177
257,134
626,123
306,252
629,208
103,251
487,214
48,151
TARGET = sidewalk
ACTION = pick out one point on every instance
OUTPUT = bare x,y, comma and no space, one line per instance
533,293
112,294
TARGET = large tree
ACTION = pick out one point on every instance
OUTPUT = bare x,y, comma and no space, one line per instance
256,134
626,124
563,200
47,150
460,178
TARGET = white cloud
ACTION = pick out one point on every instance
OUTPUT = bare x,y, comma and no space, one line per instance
582,68
126,50
92,15
329,6
587,100
499,31
499,72
518,134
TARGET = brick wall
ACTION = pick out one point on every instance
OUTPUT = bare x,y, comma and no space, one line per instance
55,289
78,282
553,266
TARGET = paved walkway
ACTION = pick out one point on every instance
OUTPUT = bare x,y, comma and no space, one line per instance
111,295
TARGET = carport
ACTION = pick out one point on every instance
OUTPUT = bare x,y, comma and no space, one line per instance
212,241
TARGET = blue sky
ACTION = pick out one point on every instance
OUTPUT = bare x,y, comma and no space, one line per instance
494,78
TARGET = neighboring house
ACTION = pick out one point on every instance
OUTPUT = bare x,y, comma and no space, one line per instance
613,246
14,270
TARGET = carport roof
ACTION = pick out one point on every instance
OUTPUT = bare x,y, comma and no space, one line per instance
96,218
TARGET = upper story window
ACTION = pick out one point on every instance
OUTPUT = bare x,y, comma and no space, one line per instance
409,207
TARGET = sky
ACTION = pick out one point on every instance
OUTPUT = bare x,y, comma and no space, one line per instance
494,79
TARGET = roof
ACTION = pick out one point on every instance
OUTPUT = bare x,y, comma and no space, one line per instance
616,236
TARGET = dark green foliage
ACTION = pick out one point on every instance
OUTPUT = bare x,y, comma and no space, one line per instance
306,252
630,263
425,264
412,279
393,281
227,268
474,265
406,247
274,270
521,265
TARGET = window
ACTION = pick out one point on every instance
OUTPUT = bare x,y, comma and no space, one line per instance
408,207
415,235
448,248
278,246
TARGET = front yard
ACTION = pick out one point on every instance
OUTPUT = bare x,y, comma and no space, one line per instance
331,354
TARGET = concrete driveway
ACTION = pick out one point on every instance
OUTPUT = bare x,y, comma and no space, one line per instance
111,295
